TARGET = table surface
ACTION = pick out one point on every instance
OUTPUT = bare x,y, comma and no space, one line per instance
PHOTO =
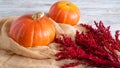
91,10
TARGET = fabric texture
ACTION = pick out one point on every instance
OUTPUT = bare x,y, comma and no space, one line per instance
13,55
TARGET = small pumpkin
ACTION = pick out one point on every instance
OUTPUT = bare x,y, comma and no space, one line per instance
65,12
32,30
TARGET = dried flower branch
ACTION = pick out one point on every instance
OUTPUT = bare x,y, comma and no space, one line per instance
96,47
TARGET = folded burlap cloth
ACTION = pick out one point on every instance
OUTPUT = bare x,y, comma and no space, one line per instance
13,55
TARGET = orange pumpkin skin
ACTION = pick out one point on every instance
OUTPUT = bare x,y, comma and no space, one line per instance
28,32
65,12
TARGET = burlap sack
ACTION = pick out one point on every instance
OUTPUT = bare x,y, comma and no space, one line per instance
13,55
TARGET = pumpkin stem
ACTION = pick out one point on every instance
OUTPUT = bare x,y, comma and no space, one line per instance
68,4
37,15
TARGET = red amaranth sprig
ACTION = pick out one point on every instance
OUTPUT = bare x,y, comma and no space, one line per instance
96,47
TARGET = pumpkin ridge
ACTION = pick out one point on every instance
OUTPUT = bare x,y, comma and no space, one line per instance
33,34
51,11
76,14
24,34
42,31
54,33
59,13
14,35
49,32
66,15
76,18
19,32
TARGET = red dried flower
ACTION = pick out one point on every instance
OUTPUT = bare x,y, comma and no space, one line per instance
96,47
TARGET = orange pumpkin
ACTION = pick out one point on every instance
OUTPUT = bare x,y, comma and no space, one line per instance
65,12
32,30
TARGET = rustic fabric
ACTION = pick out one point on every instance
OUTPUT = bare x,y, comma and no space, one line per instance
13,55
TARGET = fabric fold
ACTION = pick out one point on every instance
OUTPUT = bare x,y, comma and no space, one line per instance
13,55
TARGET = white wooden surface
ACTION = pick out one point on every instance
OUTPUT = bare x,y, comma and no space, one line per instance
91,10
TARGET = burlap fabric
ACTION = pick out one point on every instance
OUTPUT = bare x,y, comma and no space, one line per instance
13,55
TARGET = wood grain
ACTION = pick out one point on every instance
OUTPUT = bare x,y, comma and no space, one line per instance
91,10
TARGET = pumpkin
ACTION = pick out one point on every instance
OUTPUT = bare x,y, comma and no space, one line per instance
65,12
33,30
